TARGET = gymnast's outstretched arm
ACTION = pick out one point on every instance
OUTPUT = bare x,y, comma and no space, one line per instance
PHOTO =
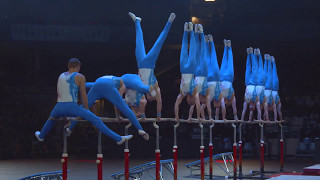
177,104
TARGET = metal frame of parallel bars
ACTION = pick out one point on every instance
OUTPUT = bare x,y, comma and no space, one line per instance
99,160
262,171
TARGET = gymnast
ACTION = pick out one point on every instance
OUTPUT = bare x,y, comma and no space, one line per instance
268,89
213,77
251,81
146,62
68,86
188,64
261,82
111,88
202,72
226,78
275,89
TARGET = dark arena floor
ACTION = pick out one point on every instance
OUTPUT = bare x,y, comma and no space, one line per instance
84,169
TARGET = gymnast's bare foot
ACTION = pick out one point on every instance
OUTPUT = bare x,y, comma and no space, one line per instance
172,17
134,17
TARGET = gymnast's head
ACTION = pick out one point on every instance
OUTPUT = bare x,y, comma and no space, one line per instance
74,65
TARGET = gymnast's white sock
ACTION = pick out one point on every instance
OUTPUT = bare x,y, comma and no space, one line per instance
37,133
229,43
200,28
134,17
258,51
124,138
144,134
250,50
172,17
186,26
196,28
210,37
225,42
190,26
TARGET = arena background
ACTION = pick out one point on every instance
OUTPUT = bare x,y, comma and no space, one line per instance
37,38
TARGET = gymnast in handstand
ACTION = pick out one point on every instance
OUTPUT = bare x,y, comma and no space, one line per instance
111,88
268,91
251,81
275,86
262,78
202,71
188,87
69,84
214,77
226,78
146,62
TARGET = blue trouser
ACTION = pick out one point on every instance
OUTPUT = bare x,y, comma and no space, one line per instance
202,69
248,70
105,88
63,109
149,60
269,81
255,70
262,73
133,81
188,60
214,73
226,70
275,80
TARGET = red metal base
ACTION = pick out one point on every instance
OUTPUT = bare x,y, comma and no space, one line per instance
262,157
99,162
175,162
235,161
157,164
126,164
210,160
281,155
202,162
64,162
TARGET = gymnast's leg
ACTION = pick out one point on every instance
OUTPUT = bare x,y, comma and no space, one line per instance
93,95
140,48
97,122
153,54
56,112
